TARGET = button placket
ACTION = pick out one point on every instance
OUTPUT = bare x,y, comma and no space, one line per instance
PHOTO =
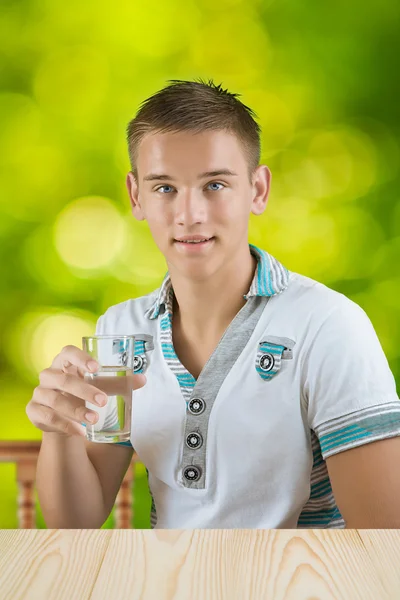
193,471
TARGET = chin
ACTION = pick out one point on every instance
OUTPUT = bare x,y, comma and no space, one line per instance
200,270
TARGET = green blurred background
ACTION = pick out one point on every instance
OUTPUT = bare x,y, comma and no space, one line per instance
323,79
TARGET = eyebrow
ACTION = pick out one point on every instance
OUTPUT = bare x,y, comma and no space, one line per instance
163,177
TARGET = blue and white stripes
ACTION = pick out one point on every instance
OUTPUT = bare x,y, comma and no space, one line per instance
185,379
373,423
320,511
270,278
269,360
162,298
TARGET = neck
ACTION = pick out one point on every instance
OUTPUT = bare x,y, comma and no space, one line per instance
204,307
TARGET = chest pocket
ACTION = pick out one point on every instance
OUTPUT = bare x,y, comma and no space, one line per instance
271,352
143,344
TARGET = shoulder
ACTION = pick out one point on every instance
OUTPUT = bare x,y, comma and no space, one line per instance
325,316
314,298
125,317
312,310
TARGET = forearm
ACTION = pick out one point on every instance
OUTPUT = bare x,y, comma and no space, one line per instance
68,486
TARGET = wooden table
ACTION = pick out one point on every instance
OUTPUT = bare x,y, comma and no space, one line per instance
200,564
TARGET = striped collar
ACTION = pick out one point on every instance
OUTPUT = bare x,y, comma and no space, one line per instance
271,278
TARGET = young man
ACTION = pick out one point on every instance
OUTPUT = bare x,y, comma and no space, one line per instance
269,402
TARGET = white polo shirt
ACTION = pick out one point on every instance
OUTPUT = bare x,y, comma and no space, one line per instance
298,375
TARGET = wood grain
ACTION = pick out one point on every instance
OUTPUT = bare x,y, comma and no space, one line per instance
200,564
383,548
47,564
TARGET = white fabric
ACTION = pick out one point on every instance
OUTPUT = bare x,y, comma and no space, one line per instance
259,456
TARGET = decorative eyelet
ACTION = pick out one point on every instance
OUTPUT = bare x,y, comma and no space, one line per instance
196,406
269,360
194,441
192,473
138,363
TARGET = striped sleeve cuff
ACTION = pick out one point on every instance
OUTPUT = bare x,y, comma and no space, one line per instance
357,428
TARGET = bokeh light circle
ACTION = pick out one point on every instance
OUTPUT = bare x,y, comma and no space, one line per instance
89,233
331,246
39,335
130,266
338,163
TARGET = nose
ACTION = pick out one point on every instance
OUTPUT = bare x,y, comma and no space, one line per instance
190,208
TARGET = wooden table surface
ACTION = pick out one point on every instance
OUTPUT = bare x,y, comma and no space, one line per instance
200,564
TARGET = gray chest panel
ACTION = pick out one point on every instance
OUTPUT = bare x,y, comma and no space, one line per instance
203,396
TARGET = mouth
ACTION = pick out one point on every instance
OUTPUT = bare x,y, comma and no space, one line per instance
194,244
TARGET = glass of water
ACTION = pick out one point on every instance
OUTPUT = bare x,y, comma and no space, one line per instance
115,355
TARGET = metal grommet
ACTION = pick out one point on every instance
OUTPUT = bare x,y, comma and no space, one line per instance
267,362
124,359
192,473
137,363
196,406
194,440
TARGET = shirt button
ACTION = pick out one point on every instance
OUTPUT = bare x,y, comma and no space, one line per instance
194,440
137,363
267,362
192,473
196,406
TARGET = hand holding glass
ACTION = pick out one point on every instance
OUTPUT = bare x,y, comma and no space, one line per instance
115,355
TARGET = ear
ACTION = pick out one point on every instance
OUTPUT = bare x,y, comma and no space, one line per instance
133,191
261,186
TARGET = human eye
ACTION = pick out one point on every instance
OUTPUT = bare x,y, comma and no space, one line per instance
214,183
163,187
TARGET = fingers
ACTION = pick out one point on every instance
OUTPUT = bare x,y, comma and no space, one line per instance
65,405
71,355
47,419
58,403
73,360
59,380
139,381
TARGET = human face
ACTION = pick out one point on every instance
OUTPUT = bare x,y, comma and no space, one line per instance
197,186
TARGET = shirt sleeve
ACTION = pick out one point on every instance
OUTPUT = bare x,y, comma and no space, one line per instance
101,330
349,389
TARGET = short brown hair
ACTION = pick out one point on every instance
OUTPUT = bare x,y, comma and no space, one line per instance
195,106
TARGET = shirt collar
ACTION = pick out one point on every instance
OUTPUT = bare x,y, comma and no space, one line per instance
271,278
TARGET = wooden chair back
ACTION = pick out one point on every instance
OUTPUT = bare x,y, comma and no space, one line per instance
24,455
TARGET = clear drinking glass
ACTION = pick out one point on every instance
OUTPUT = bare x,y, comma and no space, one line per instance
115,355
